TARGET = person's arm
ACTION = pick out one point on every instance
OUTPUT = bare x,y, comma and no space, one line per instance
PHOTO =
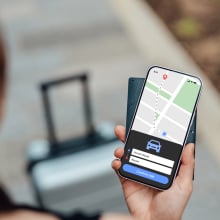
147,203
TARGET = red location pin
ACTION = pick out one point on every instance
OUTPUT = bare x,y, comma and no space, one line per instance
165,76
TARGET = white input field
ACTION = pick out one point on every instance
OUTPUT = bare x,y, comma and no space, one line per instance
151,165
151,157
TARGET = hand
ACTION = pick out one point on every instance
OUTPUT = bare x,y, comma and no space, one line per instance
147,203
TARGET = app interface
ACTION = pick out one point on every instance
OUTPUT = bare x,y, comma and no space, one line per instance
160,126
166,105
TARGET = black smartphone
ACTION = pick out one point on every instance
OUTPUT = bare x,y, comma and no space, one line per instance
160,126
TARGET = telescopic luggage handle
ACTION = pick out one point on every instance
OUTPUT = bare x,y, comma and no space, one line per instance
46,86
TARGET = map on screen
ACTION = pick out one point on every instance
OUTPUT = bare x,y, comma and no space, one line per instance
167,104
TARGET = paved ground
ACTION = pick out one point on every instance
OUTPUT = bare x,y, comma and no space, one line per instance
50,39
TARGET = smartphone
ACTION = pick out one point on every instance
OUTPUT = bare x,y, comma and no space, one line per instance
160,126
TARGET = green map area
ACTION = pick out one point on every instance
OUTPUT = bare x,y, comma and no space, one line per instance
167,104
187,96
155,89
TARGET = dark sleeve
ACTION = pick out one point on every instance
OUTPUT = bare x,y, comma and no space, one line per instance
81,216
76,215
6,203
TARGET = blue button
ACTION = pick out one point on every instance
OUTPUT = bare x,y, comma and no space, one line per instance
145,173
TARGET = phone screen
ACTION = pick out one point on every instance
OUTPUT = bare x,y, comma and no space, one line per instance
160,126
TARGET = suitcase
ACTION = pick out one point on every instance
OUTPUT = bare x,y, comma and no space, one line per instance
75,174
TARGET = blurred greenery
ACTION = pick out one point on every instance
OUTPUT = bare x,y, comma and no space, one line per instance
188,28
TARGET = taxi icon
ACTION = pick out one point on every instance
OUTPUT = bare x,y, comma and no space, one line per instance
153,144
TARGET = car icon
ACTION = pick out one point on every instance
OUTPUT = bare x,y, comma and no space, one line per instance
153,144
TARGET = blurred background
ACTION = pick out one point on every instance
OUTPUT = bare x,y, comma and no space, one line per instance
196,25
110,41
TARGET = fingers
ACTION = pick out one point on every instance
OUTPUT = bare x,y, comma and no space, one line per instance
120,132
119,152
187,166
116,163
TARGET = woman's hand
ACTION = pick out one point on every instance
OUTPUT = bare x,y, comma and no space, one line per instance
147,203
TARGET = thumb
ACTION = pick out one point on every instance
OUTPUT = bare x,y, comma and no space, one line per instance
187,166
